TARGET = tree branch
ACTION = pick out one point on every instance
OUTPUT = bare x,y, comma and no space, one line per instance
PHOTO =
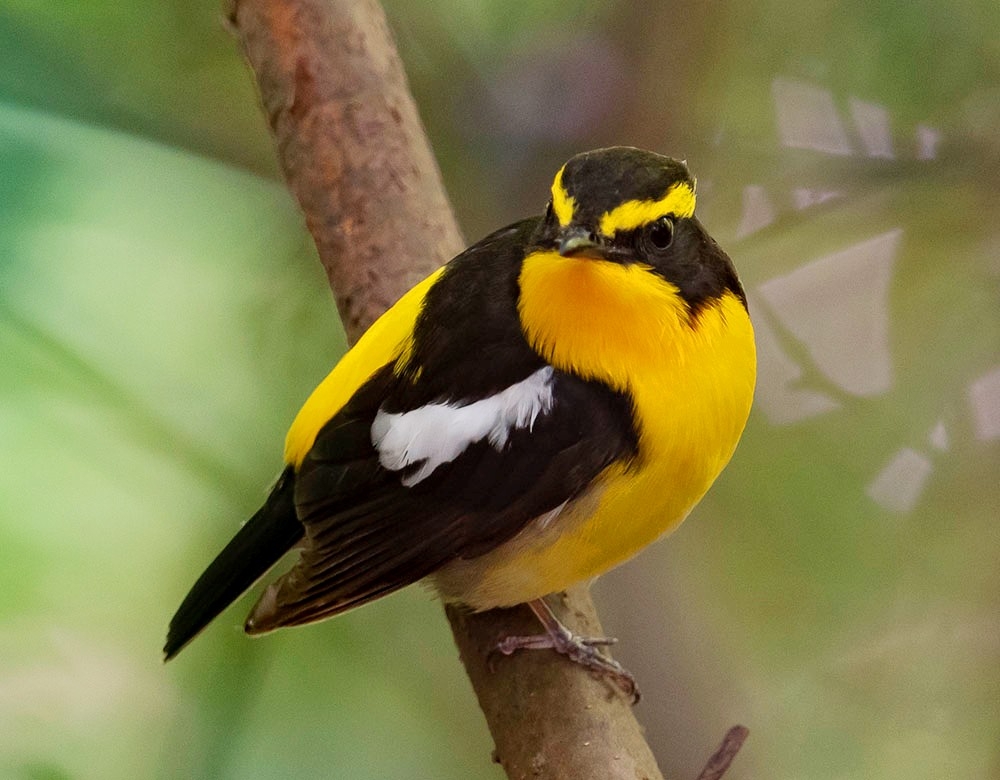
724,755
351,146
549,717
354,154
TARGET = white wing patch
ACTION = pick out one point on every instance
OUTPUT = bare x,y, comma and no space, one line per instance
438,433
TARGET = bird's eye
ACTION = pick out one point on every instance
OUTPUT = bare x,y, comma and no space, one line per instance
548,212
661,232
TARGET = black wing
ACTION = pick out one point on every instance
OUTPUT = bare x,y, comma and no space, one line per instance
364,532
368,534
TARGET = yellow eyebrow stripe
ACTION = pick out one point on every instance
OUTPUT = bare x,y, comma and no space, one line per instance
678,202
562,202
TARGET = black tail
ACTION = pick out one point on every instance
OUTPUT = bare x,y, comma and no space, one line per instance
258,545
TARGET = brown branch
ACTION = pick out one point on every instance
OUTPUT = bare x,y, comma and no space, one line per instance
351,146
723,757
353,151
548,717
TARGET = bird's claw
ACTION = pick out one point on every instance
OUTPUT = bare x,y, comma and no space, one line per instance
579,649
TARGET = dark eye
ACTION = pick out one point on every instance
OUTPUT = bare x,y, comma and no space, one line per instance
661,232
548,212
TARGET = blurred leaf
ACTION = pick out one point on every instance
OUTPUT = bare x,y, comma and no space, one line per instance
163,69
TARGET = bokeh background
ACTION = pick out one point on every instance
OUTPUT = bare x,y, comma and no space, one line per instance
162,315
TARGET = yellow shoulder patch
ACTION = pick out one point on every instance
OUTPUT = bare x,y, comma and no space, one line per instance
678,202
387,339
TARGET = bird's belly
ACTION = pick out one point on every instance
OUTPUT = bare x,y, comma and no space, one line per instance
628,508
587,538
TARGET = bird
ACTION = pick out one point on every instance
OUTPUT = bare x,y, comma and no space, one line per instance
535,412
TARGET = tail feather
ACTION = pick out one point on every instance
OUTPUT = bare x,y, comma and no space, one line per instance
258,545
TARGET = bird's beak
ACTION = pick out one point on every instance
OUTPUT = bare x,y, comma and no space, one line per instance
577,242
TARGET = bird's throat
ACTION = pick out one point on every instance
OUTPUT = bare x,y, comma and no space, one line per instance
599,319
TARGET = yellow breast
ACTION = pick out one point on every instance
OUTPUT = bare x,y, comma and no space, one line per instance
691,382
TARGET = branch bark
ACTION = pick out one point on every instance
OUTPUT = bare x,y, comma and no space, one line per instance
351,146
724,755
354,153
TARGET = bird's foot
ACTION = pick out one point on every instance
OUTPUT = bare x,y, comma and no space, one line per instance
579,649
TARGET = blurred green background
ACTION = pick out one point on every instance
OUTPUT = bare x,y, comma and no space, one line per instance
162,315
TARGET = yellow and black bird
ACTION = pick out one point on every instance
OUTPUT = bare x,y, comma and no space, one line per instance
537,411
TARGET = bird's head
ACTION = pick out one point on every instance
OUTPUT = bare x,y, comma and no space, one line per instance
629,206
